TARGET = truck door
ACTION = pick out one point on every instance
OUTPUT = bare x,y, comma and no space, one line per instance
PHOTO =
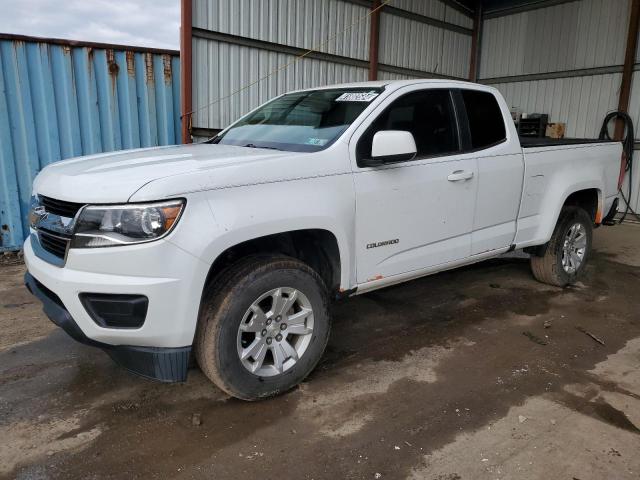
489,134
414,214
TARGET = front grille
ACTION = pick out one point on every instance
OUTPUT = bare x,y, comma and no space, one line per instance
60,207
54,243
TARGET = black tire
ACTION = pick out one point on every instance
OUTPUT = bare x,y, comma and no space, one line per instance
223,308
547,268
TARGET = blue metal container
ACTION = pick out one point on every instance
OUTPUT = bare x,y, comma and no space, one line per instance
61,99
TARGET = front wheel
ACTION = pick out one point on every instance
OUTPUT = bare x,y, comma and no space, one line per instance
264,327
566,254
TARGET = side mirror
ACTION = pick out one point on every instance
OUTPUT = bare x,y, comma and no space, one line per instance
391,146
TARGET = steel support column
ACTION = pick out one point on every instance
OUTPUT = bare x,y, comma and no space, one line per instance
374,40
186,60
474,63
629,59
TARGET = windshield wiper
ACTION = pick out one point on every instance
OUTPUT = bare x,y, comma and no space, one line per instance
251,145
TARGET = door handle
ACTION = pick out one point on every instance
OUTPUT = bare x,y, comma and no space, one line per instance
459,175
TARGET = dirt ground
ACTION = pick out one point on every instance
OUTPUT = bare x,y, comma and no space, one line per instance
479,373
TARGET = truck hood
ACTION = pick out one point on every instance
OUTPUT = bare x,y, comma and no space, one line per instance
115,177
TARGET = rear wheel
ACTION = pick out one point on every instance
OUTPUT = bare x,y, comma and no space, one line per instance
263,327
567,252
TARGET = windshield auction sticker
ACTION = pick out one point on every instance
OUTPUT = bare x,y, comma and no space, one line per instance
318,142
357,97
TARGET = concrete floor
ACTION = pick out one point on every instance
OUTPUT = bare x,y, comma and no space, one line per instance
479,373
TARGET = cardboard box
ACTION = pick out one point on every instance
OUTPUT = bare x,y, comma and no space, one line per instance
556,130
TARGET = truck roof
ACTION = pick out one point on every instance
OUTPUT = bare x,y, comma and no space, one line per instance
395,84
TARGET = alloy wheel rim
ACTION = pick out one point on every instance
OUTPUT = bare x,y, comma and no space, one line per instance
574,248
275,332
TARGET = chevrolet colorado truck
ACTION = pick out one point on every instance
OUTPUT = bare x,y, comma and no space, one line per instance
231,250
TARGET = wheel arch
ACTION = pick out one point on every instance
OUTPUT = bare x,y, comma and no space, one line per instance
317,247
589,198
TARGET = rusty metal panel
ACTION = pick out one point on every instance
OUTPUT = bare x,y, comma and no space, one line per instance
297,23
419,46
223,68
569,36
60,100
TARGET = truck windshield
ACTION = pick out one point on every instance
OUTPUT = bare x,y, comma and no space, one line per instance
300,122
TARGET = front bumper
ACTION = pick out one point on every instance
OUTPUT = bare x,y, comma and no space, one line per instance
163,364
169,277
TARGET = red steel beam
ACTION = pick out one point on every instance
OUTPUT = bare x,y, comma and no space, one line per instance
374,40
629,60
186,74
475,42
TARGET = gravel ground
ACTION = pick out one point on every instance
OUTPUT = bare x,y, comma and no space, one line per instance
479,373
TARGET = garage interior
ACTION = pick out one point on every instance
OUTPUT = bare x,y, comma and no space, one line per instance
476,373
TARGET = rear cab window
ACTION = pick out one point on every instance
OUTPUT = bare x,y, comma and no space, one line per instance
484,117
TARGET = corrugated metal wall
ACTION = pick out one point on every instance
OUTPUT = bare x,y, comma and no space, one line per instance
416,45
634,104
297,23
434,9
584,40
634,112
420,38
230,66
580,102
570,36
59,100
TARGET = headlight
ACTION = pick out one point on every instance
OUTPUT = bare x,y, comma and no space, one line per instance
107,226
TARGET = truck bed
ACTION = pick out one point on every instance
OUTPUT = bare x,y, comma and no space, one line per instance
531,142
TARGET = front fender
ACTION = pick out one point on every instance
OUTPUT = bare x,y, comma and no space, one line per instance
241,214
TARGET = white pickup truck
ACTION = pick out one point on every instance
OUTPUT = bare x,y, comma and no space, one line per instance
233,249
